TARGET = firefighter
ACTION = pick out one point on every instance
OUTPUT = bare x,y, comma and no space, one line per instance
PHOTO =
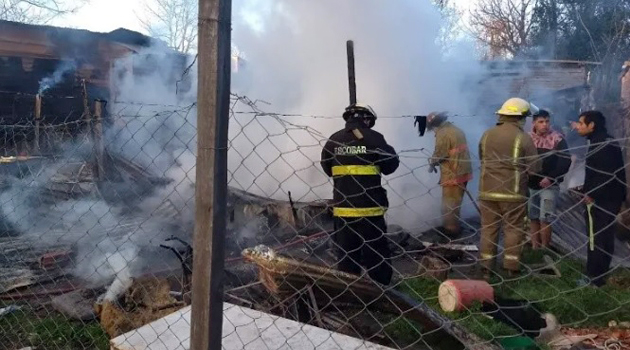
355,157
451,155
508,155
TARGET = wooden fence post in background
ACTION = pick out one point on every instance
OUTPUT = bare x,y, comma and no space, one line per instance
352,84
213,101
625,110
87,116
99,147
37,115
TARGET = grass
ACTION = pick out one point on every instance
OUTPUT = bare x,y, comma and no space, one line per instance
25,327
573,306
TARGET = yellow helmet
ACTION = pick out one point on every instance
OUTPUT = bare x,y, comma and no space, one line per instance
517,107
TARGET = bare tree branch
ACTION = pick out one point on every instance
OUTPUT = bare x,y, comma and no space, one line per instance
37,11
505,26
174,21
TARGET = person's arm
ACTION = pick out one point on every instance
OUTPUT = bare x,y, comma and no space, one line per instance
563,162
327,158
388,160
615,164
481,142
604,166
441,152
531,159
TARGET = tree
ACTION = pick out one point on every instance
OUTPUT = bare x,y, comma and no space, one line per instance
451,24
36,11
548,18
505,26
174,21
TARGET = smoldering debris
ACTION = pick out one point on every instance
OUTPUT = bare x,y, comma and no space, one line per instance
145,301
65,219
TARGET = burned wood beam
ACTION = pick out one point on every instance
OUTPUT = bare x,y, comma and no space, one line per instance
283,276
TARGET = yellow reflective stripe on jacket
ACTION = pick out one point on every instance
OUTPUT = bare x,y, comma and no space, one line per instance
515,155
486,256
358,212
482,151
501,196
591,231
511,257
458,149
516,196
340,170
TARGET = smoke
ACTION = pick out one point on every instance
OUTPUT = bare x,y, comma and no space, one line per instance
57,76
295,68
296,61
116,233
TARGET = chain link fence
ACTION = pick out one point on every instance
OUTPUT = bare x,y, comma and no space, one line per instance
96,249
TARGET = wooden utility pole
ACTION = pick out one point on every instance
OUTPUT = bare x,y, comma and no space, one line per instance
213,100
352,84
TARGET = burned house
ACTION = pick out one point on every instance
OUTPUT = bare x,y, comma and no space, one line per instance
564,87
68,69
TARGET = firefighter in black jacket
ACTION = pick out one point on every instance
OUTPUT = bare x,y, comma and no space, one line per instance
604,192
355,157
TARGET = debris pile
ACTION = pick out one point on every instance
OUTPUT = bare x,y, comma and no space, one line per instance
147,300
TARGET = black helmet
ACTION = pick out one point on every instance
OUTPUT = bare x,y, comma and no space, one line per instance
360,111
435,119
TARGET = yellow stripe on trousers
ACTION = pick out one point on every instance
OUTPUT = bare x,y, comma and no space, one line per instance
591,231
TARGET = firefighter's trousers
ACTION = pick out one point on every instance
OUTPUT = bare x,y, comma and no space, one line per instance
507,215
452,197
600,226
361,241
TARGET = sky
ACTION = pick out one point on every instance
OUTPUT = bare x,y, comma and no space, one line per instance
108,15
105,16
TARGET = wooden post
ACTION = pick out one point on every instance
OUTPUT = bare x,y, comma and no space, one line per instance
352,85
37,115
99,147
625,104
213,100
86,109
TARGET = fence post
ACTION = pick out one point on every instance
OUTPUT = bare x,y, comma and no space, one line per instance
99,147
87,117
625,117
37,115
352,84
213,98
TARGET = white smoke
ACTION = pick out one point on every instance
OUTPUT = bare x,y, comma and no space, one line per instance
57,76
296,61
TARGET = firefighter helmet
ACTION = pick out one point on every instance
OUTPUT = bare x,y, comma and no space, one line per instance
360,111
517,107
435,119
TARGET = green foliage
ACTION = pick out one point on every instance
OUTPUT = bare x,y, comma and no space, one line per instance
24,328
573,306
594,30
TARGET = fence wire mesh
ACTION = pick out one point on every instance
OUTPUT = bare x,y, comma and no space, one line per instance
97,226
